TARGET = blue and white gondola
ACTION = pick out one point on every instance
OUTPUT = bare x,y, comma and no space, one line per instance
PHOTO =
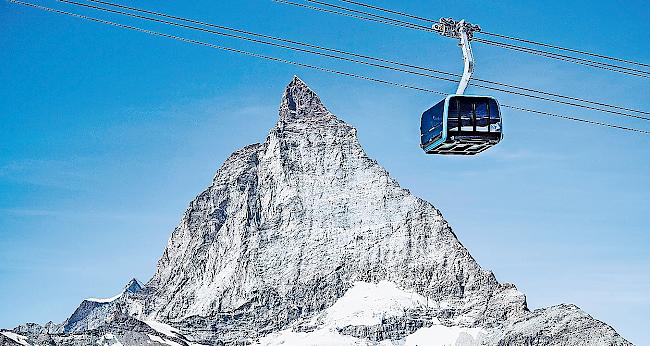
461,125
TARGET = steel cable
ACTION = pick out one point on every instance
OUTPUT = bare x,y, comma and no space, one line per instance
318,68
551,55
410,26
335,56
547,45
575,60
362,56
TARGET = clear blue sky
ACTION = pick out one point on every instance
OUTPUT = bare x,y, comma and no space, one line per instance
107,134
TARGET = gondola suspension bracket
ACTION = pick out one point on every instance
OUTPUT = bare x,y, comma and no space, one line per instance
449,27
464,32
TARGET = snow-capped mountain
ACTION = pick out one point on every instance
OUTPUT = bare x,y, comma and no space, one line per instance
305,240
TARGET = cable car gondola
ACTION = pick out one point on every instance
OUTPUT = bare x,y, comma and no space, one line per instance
461,124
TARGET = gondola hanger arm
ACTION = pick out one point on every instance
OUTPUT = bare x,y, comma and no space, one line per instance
464,32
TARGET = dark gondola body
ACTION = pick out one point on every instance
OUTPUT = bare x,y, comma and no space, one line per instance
461,125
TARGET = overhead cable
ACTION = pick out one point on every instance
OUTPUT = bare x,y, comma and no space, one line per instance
547,45
402,70
313,67
339,10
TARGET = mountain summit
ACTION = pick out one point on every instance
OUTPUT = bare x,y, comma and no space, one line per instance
300,101
305,240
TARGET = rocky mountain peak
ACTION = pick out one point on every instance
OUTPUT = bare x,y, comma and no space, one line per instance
305,207
133,286
299,101
305,240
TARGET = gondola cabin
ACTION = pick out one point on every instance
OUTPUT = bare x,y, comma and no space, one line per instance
461,125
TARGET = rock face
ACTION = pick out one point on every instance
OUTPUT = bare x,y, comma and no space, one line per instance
301,217
304,239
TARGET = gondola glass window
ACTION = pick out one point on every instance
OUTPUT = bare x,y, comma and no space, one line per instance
461,125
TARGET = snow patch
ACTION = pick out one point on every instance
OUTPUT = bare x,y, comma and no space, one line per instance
132,287
169,331
163,328
439,335
103,300
320,337
17,338
162,341
109,340
367,304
